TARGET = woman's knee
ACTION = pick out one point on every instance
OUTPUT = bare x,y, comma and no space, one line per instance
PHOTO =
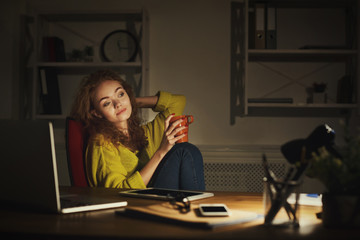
186,149
187,146
189,153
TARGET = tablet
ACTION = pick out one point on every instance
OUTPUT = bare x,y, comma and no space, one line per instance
165,194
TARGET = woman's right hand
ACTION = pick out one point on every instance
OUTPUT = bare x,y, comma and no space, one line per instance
170,131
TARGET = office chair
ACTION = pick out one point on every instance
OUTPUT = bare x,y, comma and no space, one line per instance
75,149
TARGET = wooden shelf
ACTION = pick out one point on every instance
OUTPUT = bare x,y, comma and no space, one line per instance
311,3
299,110
50,116
88,64
78,16
304,105
327,55
302,51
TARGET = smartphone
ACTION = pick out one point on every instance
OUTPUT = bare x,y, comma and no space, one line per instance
214,210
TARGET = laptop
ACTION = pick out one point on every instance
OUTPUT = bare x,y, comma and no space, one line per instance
29,177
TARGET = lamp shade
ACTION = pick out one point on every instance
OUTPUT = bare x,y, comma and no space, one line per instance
322,135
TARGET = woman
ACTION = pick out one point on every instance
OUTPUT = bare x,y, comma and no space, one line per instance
122,154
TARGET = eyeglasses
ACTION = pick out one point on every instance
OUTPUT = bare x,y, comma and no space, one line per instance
180,202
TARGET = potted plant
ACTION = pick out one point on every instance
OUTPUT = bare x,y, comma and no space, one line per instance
341,177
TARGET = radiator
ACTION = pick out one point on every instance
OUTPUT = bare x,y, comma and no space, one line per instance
239,168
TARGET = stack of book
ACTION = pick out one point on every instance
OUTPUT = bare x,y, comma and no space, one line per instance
53,49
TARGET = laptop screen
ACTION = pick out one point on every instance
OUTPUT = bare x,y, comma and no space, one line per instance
28,165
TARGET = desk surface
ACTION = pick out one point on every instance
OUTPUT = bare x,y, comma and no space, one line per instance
106,224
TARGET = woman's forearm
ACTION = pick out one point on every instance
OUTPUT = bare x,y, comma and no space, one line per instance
148,170
146,102
168,140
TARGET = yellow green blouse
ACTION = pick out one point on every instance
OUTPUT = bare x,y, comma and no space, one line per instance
118,167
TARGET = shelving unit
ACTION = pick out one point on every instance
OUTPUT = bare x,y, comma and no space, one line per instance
246,63
79,30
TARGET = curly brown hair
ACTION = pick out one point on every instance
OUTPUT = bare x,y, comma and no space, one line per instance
83,106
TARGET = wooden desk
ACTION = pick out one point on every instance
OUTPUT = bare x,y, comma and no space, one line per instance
107,225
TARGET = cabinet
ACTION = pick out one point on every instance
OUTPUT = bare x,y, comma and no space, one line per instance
78,54
317,43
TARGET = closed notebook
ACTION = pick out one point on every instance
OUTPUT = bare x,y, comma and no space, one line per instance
170,213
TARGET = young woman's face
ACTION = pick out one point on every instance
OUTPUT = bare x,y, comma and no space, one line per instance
112,103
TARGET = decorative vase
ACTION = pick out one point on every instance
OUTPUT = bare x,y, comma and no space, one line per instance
341,211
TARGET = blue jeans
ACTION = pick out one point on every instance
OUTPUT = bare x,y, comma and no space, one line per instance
181,168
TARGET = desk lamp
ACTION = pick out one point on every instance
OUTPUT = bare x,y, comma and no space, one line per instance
322,136
297,152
